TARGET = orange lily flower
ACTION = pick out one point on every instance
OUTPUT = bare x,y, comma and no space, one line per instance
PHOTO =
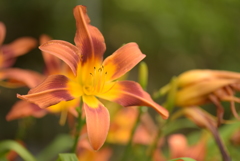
93,78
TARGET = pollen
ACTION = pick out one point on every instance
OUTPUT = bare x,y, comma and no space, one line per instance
97,81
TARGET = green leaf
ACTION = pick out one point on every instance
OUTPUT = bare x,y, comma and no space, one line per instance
18,148
2,158
67,157
182,159
177,125
60,144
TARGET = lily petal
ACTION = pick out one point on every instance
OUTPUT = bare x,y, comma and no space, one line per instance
122,60
2,32
64,51
88,38
130,93
53,64
98,122
20,76
23,109
50,92
19,47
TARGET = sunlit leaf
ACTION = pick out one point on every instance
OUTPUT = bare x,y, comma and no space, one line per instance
18,148
182,159
172,94
67,157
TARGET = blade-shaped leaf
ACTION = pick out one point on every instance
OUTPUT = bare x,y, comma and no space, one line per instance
60,144
18,148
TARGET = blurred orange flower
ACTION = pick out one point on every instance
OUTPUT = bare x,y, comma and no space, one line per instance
14,77
86,153
53,65
122,124
9,52
198,87
179,147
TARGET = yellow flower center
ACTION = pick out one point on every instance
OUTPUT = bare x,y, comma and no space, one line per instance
96,82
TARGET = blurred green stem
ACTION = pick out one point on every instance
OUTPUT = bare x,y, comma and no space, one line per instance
128,149
154,144
222,148
23,125
79,125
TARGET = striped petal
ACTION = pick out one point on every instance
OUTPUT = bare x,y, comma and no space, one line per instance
52,91
2,32
129,93
52,63
19,47
16,76
122,61
23,109
64,51
98,122
88,38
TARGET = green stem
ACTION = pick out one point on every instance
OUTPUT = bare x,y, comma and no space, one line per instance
23,125
154,144
128,149
78,129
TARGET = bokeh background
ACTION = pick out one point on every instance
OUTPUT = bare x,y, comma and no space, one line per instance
176,35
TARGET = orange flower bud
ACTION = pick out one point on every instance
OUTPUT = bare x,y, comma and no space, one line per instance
198,87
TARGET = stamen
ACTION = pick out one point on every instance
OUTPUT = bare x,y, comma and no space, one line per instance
98,77
232,103
102,86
